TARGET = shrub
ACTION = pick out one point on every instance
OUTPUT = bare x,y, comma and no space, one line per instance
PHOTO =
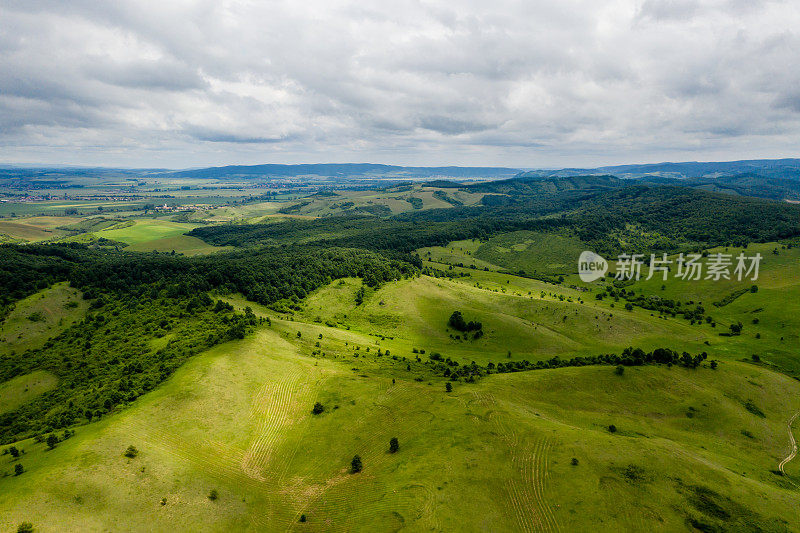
213,495
25,527
612,428
131,452
355,465
318,408
36,317
619,370
448,387
18,469
753,408
394,445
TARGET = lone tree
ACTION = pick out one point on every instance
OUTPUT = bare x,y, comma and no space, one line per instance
213,495
302,518
14,451
448,387
394,445
18,469
318,408
612,428
131,452
25,527
52,440
355,465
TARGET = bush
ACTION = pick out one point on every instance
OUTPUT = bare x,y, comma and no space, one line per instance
302,518
18,469
25,527
619,370
213,495
355,465
52,440
612,428
318,408
394,445
574,461
131,452
458,323
448,387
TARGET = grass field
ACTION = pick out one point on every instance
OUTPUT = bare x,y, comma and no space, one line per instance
530,326
494,455
144,230
182,244
39,317
22,389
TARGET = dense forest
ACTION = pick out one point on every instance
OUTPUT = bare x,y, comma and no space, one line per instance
264,275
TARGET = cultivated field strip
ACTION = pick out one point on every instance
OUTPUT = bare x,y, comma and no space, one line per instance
529,458
275,407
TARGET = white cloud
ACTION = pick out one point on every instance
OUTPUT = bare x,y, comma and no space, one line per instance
565,83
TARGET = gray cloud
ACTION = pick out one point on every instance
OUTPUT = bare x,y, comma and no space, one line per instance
418,81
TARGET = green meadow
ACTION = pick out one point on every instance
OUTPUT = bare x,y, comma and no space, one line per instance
144,230
527,451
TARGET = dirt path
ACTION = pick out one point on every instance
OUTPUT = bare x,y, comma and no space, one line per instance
794,449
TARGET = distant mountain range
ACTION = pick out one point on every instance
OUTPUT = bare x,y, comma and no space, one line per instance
779,168
776,179
775,168
346,170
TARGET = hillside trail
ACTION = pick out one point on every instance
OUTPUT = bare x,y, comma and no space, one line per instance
794,449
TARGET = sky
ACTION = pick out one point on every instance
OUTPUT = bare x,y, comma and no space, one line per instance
567,83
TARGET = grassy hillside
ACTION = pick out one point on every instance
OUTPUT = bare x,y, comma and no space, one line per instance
39,317
530,326
182,244
143,230
533,252
493,455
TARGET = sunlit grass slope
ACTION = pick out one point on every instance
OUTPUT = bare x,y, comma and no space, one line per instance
496,455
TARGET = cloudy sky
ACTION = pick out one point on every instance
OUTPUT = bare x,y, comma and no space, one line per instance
179,83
